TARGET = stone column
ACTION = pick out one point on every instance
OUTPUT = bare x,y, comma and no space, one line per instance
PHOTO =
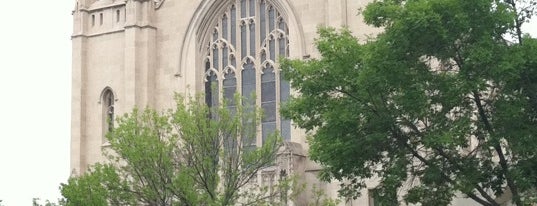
78,107
140,54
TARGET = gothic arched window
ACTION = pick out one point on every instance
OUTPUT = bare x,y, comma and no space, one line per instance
241,56
107,102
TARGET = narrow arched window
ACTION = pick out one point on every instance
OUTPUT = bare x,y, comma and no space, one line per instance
107,102
117,15
241,56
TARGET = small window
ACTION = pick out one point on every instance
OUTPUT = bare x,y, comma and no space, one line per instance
101,18
93,20
107,102
118,13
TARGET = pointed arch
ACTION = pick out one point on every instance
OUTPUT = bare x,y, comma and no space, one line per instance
248,36
107,89
204,18
248,77
107,100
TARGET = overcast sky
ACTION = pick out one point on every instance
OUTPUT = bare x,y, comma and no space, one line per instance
35,72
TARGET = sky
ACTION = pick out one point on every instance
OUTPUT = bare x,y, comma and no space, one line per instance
35,91
35,87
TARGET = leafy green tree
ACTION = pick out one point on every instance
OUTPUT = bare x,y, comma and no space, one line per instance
438,104
99,186
191,155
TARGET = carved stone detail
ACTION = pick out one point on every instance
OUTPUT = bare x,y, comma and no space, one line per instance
290,157
158,3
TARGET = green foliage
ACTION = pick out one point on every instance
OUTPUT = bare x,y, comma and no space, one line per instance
35,202
99,186
439,103
191,155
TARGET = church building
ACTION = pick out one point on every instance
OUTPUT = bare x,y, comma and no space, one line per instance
129,53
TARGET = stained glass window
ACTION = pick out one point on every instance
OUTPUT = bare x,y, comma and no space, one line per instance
242,56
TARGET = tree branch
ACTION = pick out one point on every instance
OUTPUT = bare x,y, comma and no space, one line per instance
451,161
399,137
518,22
497,148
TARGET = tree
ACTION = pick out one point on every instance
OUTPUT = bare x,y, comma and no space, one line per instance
99,186
192,155
35,202
438,104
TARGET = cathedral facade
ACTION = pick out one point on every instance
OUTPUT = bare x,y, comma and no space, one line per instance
129,53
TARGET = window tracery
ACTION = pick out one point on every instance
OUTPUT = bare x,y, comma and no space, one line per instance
241,56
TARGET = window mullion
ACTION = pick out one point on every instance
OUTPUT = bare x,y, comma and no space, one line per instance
277,99
262,25
258,67
221,69
258,70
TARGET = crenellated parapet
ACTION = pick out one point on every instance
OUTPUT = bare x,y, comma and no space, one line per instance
100,17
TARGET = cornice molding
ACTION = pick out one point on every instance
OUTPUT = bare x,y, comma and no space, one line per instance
147,26
97,34
102,7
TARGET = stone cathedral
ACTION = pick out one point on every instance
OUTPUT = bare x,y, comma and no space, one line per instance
130,53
